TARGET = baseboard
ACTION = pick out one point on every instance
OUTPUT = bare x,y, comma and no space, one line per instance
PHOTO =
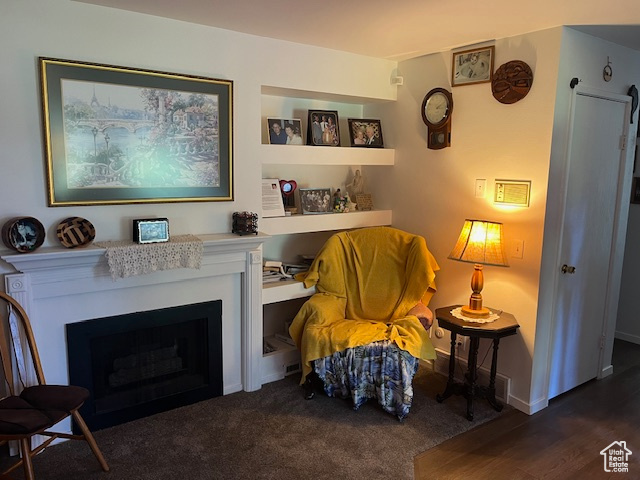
606,371
503,383
236,387
526,407
627,337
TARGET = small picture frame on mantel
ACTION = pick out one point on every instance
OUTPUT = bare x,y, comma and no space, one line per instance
151,230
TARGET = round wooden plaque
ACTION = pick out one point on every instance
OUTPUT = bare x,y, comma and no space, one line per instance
511,82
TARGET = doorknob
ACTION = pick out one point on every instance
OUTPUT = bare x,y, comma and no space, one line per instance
568,269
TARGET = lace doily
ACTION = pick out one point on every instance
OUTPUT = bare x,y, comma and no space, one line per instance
127,259
457,312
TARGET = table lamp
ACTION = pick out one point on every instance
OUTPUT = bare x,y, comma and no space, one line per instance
481,243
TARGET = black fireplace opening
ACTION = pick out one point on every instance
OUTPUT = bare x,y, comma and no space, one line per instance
148,362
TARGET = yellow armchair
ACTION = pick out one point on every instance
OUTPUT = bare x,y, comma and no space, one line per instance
372,285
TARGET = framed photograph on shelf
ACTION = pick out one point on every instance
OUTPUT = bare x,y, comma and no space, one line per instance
472,66
316,200
323,128
365,133
116,135
284,132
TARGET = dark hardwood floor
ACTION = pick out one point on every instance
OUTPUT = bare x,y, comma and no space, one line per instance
563,441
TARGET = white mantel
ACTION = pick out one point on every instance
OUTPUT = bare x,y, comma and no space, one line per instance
58,286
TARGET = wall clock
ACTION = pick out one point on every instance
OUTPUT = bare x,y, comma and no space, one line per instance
437,107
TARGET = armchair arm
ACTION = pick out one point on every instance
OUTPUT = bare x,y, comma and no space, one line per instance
424,314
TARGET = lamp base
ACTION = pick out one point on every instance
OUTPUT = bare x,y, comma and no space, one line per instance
482,312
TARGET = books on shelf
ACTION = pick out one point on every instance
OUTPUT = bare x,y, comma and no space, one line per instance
275,271
269,277
286,338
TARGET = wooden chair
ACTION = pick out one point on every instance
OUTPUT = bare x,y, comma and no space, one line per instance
36,408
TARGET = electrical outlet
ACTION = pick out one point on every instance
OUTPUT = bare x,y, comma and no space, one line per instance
462,343
518,249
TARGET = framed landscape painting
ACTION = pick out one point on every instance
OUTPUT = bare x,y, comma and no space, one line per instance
116,135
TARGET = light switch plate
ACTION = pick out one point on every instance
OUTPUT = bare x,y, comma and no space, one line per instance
481,187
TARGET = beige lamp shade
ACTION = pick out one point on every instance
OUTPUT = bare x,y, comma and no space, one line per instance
482,243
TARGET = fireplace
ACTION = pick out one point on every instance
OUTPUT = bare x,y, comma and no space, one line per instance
59,286
143,363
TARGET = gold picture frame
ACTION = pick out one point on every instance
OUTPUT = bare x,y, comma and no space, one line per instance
118,135
470,67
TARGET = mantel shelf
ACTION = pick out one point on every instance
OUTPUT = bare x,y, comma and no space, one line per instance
324,222
45,259
315,155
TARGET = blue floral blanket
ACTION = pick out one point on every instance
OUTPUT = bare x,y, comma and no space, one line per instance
377,370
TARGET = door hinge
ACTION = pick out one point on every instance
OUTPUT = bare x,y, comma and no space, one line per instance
623,142
603,339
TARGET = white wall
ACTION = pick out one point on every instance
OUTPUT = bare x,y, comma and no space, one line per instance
582,56
434,190
77,31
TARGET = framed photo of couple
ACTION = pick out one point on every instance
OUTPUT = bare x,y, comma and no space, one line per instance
323,128
365,133
284,131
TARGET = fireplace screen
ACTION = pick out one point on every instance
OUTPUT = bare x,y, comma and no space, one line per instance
147,362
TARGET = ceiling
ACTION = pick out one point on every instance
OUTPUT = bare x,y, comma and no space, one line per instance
397,29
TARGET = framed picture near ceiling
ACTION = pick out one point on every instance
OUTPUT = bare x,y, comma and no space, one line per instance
117,135
473,66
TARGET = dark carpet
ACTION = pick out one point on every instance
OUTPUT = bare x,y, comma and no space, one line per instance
273,433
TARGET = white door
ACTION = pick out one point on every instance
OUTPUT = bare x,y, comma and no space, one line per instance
595,168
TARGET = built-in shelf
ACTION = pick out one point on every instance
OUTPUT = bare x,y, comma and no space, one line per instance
324,222
315,155
282,347
284,290
306,163
281,362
